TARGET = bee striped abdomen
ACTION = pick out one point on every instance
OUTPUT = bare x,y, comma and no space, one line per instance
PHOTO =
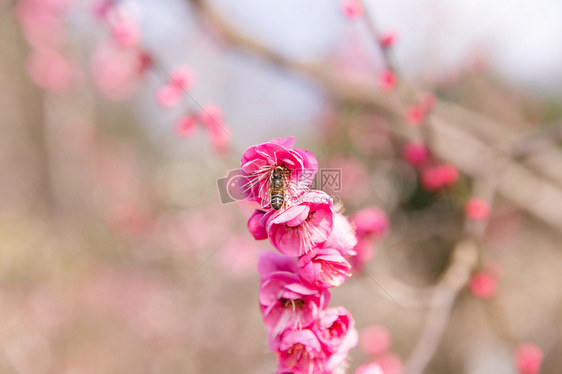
277,199
277,188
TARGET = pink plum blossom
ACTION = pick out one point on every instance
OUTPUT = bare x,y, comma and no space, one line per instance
259,161
286,303
324,268
299,351
301,227
335,328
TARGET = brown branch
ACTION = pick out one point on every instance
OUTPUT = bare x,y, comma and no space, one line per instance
452,282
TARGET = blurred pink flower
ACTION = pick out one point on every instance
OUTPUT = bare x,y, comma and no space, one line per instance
483,284
477,209
415,115
373,368
323,268
210,115
168,95
417,154
370,221
186,125
219,138
116,71
126,32
183,77
41,23
387,39
301,227
374,340
259,161
387,80
437,177
529,358
352,8
218,131
390,363
101,8
51,71
365,250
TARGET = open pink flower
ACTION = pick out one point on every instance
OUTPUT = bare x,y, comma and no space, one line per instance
335,328
342,237
299,351
259,161
287,303
301,227
324,268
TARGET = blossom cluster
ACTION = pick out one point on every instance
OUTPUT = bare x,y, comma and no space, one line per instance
314,241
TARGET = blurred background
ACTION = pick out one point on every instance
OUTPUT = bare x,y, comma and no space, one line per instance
119,254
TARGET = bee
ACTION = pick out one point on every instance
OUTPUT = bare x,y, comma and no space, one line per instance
277,187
